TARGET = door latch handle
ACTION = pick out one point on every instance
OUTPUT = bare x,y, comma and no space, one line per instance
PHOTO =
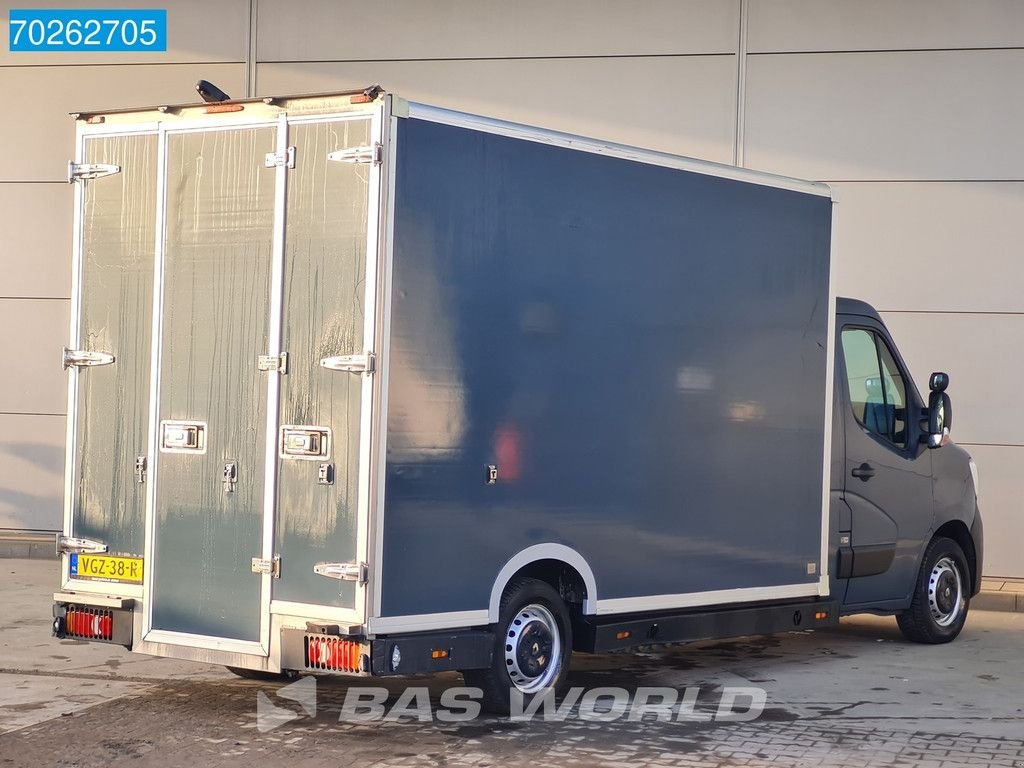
230,476
865,472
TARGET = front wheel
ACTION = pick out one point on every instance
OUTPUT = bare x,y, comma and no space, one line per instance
533,643
941,596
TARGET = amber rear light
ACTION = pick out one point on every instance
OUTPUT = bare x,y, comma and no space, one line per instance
332,654
89,623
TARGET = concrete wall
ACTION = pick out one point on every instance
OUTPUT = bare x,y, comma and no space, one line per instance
910,109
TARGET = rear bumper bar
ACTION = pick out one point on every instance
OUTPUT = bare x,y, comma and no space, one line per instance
414,654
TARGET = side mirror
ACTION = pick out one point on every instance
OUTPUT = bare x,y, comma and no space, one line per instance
940,410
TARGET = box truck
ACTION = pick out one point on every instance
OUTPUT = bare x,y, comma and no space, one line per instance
367,386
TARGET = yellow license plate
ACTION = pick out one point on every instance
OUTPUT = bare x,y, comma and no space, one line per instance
106,568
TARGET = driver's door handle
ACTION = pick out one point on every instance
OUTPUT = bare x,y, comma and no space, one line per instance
865,471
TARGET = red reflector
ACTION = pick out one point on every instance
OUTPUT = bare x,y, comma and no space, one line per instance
333,654
224,108
90,623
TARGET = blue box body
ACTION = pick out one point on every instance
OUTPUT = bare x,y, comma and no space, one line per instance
640,350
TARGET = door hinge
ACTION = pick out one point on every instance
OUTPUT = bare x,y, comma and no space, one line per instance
275,159
81,358
71,544
357,572
277,363
271,567
365,363
371,155
83,171
140,469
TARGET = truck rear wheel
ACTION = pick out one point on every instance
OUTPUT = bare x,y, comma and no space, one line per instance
532,646
941,595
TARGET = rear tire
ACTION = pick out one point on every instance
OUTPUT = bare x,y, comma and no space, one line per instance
532,646
260,674
942,595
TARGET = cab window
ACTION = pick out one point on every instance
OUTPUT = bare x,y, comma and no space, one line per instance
878,393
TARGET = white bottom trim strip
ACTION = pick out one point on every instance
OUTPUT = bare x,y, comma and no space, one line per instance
699,599
206,643
314,612
720,597
424,621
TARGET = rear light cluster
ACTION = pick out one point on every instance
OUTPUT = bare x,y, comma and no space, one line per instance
332,654
89,623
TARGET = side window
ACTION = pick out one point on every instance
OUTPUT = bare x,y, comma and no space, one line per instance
878,393
895,393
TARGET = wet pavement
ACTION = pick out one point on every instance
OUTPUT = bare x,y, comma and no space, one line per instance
854,696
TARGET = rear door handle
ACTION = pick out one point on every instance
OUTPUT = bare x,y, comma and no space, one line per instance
865,471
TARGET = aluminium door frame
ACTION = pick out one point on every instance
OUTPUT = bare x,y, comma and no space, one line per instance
369,425
89,586
170,637
394,109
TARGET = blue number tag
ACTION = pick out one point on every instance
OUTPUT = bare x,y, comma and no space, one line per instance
73,564
89,29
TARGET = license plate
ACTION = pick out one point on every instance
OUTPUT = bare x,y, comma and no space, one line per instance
106,568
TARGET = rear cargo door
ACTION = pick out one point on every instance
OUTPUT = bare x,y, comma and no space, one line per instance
210,509
109,360
264,384
328,333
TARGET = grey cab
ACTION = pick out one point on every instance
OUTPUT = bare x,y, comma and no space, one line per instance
905,521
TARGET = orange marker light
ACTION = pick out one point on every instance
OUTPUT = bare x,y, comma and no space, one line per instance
224,108
439,653
623,635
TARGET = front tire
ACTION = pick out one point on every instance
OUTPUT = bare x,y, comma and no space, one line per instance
941,599
532,646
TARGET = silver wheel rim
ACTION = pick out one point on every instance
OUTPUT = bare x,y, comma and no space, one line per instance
945,592
533,649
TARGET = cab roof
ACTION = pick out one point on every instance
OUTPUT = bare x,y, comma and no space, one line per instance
846,306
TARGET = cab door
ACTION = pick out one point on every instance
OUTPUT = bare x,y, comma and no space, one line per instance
887,482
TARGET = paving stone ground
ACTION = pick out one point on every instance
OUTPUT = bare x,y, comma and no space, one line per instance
855,696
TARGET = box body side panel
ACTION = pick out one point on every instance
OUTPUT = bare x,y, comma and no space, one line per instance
640,351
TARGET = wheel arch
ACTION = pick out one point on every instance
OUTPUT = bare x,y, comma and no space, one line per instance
539,560
958,531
